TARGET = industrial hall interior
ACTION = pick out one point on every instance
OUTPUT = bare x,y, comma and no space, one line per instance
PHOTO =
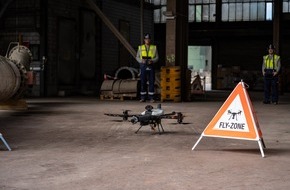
144,94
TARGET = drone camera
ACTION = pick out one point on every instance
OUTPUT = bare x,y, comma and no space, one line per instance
148,108
134,120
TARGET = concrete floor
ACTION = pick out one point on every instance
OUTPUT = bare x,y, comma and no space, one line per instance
68,143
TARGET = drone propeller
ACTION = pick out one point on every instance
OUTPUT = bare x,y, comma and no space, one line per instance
180,117
125,114
175,115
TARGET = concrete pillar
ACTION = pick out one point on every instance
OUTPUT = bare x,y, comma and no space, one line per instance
276,36
141,21
277,24
43,44
218,14
177,40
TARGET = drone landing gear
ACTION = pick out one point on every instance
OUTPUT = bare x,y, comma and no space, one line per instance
159,125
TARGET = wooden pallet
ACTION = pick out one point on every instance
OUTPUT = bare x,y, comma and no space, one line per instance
11,104
170,97
170,100
118,96
111,97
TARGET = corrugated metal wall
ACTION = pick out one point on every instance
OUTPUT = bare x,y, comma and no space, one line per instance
117,11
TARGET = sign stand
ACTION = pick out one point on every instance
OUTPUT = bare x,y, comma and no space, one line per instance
3,140
261,148
235,119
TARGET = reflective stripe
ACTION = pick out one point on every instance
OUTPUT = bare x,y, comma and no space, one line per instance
151,93
142,93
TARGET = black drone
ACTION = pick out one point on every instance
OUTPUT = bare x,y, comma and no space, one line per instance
150,117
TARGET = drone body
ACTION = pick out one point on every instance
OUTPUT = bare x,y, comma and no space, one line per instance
150,117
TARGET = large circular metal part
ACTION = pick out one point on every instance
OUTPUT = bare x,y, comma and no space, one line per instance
21,55
23,81
107,85
128,86
126,73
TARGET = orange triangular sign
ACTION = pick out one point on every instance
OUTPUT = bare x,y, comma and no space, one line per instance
235,119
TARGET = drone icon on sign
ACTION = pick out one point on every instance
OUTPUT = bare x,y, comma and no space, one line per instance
233,115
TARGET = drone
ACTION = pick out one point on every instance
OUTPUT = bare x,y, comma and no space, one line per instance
150,116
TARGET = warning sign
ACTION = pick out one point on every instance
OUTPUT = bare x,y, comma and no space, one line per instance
235,119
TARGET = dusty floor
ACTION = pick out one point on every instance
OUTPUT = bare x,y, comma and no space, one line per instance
68,143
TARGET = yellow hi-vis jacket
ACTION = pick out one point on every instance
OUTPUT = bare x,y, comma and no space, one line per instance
271,63
149,53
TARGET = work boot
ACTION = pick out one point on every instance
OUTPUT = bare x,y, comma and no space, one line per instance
142,100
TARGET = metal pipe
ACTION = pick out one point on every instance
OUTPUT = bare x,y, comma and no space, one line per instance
10,78
13,72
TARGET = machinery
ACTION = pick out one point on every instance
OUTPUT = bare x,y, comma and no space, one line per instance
13,71
150,116
125,83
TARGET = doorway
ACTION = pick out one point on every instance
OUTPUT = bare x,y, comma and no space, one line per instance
200,63
124,55
66,68
88,55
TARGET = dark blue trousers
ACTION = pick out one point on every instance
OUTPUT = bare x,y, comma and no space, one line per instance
271,89
147,74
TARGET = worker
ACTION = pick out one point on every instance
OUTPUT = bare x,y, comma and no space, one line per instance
147,56
270,69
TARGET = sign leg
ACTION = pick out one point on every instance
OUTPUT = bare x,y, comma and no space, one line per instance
261,148
3,140
197,142
263,143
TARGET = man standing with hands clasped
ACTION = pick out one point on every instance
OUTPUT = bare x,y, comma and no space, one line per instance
270,69
147,56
